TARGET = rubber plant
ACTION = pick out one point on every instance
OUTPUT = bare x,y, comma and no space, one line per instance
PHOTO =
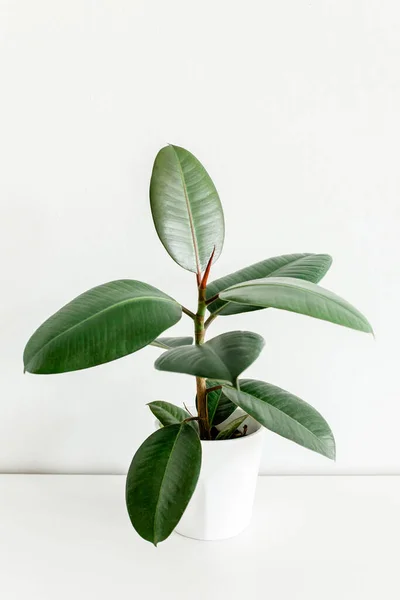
123,316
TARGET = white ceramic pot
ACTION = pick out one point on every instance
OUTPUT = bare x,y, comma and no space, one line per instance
222,504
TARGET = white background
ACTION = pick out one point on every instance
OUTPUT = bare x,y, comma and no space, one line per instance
293,107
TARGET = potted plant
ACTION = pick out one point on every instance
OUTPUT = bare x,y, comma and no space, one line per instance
197,472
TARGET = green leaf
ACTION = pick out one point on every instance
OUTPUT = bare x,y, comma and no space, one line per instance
222,358
227,433
219,406
170,414
172,342
298,296
186,209
105,323
161,480
310,267
285,414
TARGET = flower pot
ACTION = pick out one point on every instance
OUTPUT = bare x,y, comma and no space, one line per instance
222,503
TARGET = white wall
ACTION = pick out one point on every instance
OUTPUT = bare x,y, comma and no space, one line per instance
293,106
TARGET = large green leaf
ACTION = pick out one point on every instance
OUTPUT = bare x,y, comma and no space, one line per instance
105,323
219,406
298,296
161,480
285,414
172,342
170,414
310,267
222,358
186,209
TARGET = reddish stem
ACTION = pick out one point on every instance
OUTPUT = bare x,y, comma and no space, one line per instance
203,283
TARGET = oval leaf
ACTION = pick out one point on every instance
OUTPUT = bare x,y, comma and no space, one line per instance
172,342
222,358
298,296
310,267
231,428
161,480
186,209
285,414
105,323
170,414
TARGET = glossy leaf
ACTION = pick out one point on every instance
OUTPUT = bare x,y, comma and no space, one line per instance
230,429
172,342
298,296
186,209
219,406
309,267
105,323
284,414
222,358
161,480
170,414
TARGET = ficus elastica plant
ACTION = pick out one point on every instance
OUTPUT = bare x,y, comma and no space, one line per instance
123,316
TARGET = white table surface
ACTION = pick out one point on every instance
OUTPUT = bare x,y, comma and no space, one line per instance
69,537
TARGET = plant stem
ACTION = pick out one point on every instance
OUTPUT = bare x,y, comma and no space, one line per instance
212,299
188,312
192,419
213,389
199,333
209,321
212,317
